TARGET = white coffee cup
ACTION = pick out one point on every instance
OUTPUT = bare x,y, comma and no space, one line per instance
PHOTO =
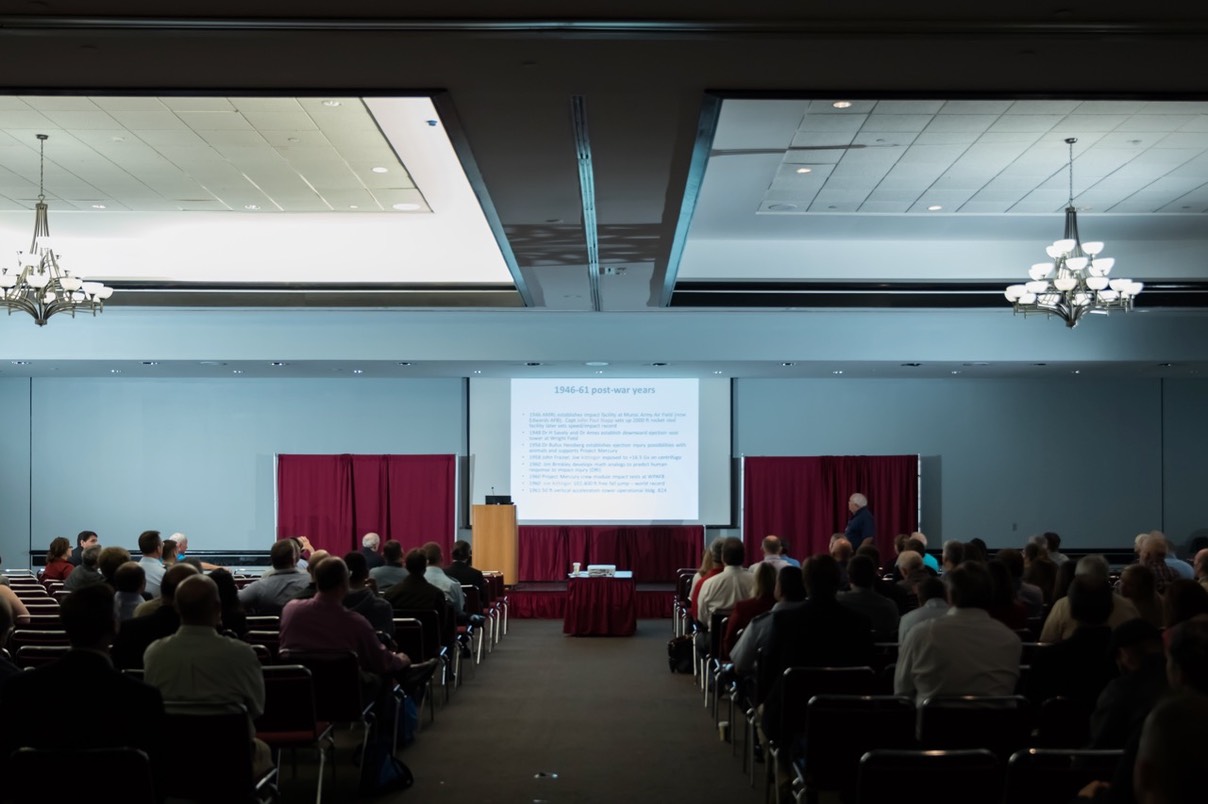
574,568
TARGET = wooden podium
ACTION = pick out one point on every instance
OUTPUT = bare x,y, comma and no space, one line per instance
493,528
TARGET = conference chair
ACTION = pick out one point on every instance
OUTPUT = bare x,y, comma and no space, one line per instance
499,598
942,777
271,640
681,607
409,638
1062,723
263,622
28,656
713,660
434,647
215,739
27,636
1045,776
1001,724
37,776
840,729
289,721
474,606
340,695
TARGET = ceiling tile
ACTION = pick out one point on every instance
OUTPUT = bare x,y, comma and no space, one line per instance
281,121
975,107
204,122
147,120
967,123
128,104
205,104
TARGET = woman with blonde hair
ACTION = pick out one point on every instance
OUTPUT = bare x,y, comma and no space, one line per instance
58,560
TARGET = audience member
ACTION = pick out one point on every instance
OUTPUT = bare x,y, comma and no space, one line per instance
58,566
911,571
1038,570
1080,666
1138,585
303,552
1181,567
952,556
182,550
1004,605
1201,567
763,597
7,668
234,619
137,633
1153,556
785,550
818,633
918,543
1183,600
1031,595
119,711
167,554
1169,756
272,590
965,652
1136,647
370,544
436,576
86,573
901,597
772,554
840,550
1052,543
728,587
362,599
308,591
151,547
933,602
197,664
710,565
789,592
130,582
1065,577
415,593
1060,623
881,612
324,624
109,560
84,540
461,570
19,609
392,570
976,550
860,525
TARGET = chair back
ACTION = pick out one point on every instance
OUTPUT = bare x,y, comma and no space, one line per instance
340,694
430,621
1002,724
800,684
409,636
35,776
271,640
1062,723
39,655
717,630
263,622
1046,776
473,599
217,740
946,777
32,636
840,729
289,703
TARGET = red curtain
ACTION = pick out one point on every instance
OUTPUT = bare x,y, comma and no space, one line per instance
804,499
335,499
653,552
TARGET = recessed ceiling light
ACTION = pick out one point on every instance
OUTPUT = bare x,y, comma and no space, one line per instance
278,363
380,169
212,363
1166,365
237,371
842,104
782,207
934,208
402,364
533,363
911,365
331,103
407,207
115,371
117,139
837,371
1075,371
788,363
719,372
596,363
804,170
150,362
19,362
478,371
98,206
358,371
601,371
251,206
955,371
353,206
292,139
984,363
658,364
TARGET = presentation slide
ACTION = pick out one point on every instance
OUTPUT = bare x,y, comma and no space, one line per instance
616,449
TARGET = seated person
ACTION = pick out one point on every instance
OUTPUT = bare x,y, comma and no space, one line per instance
139,632
86,573
84,540
392,570
120,711
900,596
308,591
415,593
1060,625
362,599
272,590
58,561
109,560
881,612
1138,585
933,602
7,668
19,610
1136,647
234,621
461,570
761,600
789,592
1004,605
130,582
1080,666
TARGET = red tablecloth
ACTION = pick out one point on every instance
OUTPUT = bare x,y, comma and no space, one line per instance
600,607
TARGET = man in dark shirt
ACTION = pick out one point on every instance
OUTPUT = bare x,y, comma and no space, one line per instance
414,593
461,571
861,525
138,633
1136,646
84,540
370,543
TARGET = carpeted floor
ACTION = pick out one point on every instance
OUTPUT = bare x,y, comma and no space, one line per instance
549,718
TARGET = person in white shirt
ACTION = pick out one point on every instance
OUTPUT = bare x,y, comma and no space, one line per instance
965,652
772,550
933,602
436,576
152,547
729,586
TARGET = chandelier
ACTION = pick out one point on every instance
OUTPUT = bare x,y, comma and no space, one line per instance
39,285
1076,282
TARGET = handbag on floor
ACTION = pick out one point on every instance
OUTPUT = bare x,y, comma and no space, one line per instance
382,772
679,654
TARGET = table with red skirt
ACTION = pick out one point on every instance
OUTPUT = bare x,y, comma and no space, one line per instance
601,606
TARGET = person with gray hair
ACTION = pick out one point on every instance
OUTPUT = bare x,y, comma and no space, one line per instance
861,525
371,545
1061,624
87,573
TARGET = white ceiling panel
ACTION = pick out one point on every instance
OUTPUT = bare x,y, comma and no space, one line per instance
202,121
82,120
975,107
145,120
280,121
202,104
128,104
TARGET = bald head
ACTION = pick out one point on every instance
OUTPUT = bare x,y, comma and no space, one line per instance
197,601
316,558
173,578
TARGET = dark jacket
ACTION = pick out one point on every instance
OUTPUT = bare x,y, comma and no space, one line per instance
138,633
861,526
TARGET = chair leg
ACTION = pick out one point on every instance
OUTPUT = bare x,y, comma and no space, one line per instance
481,636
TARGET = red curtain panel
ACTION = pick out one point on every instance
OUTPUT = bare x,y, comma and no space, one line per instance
652,552
804,499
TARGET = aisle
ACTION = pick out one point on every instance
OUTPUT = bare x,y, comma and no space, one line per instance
604,715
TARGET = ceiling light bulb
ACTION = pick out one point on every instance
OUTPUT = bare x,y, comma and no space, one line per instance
934,208
331,103
842,104
803,170
406,207
251,206
98,206
380,169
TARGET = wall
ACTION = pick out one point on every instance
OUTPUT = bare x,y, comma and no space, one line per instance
1185,469
122,456
14,471
1002,459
